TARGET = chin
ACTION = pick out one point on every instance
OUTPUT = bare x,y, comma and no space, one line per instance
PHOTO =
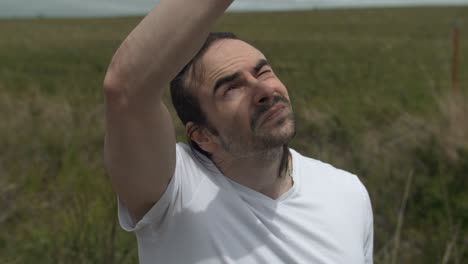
279,135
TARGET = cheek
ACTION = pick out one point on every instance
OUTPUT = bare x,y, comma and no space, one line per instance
236,119
240,119
232,107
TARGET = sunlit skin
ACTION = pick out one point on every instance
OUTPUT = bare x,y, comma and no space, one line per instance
249,108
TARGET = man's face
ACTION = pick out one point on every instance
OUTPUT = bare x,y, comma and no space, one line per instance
244,101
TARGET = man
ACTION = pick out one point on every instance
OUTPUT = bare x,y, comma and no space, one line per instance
238,194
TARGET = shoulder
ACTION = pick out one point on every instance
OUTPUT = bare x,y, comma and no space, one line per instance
190,160
320,181
319,173
183,150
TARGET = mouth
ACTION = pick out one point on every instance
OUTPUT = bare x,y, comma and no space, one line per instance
273,113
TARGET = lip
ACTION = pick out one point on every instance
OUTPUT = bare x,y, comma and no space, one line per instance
272,113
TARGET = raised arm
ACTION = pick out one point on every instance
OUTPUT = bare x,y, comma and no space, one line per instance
140,141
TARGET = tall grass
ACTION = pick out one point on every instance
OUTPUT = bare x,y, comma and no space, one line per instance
370,91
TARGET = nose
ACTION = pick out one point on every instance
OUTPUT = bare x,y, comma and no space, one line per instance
263,93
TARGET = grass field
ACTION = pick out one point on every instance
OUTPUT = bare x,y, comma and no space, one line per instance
371,90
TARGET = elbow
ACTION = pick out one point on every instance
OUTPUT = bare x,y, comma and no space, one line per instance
111,83
114,86
114,80
125,84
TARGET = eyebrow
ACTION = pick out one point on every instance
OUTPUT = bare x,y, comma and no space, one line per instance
229,78
260,64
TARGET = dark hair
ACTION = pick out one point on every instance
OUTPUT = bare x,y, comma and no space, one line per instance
186,103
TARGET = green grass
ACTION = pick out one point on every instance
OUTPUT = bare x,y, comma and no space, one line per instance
370,90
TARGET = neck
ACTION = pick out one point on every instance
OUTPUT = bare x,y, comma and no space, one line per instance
265,172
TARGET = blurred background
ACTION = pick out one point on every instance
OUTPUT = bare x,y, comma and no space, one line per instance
379,89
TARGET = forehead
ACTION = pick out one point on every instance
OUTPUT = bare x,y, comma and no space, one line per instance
228,56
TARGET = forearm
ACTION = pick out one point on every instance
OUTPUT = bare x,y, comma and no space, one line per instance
164,41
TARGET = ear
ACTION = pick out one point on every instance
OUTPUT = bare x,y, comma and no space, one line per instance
201,136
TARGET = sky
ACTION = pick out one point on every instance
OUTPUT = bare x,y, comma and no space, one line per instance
93,8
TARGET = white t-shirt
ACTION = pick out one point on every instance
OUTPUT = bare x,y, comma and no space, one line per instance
204,217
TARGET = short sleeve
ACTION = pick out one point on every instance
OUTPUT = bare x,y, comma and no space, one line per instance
181,189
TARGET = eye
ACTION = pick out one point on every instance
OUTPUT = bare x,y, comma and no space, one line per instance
231,87
264,72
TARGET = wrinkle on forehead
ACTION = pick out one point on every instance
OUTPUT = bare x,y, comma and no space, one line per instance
223,69
228,57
